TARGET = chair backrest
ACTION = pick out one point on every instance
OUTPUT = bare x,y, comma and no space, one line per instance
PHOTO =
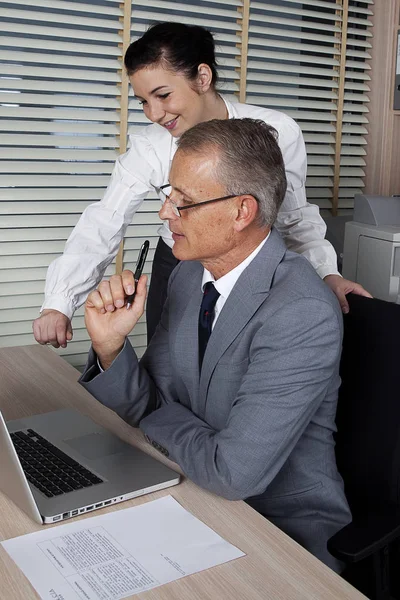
368,416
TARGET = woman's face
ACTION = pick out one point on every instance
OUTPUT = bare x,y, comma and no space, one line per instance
170,99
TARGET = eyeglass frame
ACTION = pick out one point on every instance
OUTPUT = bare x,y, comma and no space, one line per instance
177,209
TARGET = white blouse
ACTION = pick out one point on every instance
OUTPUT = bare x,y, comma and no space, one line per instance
94,242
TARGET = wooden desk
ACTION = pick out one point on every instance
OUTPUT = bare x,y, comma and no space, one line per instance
34,379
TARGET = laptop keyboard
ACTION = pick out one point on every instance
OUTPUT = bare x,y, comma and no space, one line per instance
49,469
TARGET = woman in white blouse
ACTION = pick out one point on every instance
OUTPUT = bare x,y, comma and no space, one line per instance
172,70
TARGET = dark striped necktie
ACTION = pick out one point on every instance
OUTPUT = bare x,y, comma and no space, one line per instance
210,297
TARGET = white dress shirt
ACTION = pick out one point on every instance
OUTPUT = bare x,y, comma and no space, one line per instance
95,239
224,285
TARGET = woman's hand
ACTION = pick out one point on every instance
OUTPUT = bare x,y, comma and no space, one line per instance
107,319
341,287
52,327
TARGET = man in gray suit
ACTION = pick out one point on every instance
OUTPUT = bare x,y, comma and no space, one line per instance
248,413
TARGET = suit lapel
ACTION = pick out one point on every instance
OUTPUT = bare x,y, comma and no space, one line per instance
249,292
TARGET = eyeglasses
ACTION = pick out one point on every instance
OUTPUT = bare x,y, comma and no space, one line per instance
167,189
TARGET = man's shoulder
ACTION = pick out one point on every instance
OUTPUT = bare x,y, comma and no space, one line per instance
296,281
288,278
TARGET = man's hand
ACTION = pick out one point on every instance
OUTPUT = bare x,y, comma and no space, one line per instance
52,327
341,287
107,319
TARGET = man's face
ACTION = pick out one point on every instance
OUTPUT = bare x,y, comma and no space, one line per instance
203,233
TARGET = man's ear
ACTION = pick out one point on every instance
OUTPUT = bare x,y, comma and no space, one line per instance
204,78
247,212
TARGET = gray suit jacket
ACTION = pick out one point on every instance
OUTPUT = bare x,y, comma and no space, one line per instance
257,422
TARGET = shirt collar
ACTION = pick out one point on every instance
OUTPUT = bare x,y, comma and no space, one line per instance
225,284
229,107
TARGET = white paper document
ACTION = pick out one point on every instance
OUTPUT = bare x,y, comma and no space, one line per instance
118,554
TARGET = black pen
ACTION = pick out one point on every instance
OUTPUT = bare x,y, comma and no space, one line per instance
138,271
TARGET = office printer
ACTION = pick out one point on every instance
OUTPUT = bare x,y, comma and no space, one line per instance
371,254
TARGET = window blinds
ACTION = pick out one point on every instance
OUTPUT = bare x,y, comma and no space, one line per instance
61,116
59,103
294,65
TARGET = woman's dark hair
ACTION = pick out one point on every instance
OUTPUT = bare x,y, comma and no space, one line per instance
180,48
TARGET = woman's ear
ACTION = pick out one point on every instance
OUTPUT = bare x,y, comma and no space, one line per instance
204,78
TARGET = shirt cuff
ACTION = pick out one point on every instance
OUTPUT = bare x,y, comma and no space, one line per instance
325,270
60,303
98,360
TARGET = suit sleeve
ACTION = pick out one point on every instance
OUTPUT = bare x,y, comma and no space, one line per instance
128,387
286,382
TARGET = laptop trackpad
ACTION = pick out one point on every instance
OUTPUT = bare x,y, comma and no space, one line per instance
96,445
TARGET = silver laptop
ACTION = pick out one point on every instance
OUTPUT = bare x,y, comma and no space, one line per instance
61,464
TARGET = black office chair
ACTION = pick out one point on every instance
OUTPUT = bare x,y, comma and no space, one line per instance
368,446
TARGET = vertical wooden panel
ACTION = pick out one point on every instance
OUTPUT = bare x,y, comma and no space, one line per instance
382,171
125,33
339,112
242,45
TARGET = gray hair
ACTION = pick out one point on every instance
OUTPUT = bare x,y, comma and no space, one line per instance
250,160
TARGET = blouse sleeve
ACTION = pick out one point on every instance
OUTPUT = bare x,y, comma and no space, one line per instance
299,222
94,241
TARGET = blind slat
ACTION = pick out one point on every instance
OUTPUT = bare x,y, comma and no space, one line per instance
58,46
62,141
71,6
54,167
66,114
57,32
58,86
62,100
50,17
54,127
